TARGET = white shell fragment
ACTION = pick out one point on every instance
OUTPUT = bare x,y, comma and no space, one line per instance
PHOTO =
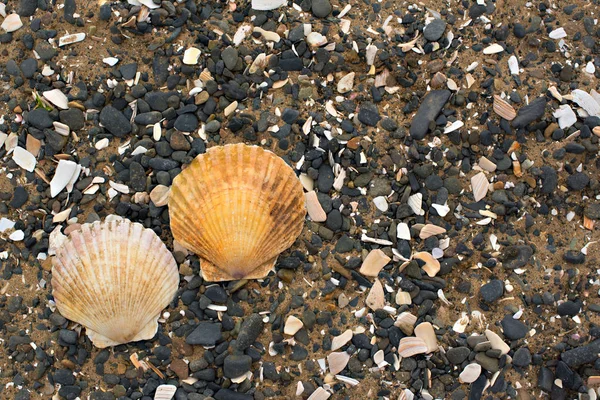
12,23
24,159
112,61
470,373
56,97
65,172
17,236
190,56
376,298
586,101
425,331
165,392
432,266
2,10
513,65
264,5
319,394
346,83
496,342
454,126
480,186
339,341
374,262
411,346
558,33
493,49
315,39
314,208
337,361
431,230
268,35
381,203
292,325
565,115
70,39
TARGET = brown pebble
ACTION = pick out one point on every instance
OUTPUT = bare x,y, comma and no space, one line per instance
180,368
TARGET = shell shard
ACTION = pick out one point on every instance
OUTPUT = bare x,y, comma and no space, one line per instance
114,278
237,207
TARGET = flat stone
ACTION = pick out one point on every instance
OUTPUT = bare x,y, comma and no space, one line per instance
20,197
148,118
529,113
368,114
492,291
428,111
434,30
236,365
114,121
73,118
513,329
321,8
205,334
517,256
186,123
39,118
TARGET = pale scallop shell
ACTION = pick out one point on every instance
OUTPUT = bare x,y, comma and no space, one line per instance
237,207
114,278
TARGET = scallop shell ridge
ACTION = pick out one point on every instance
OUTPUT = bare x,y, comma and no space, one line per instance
105,277
237,207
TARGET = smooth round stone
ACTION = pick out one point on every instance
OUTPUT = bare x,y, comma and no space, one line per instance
186,123
492,291
321,8
434,30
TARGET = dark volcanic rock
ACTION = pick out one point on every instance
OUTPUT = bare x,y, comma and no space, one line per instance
430,107
114,121
517,256
529,113
513,329
492,291
205,334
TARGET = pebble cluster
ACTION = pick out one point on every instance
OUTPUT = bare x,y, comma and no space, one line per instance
449,157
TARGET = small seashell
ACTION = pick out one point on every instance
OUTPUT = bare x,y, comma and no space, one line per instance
237,207
338,342
149,3
374,262
230,108
431,230
442,209
425,331
493,49
452,85
2,10
160,195
503,109
382,78
513,65
56,97
268,35
406,322
554,92
403,298
496,342
470,80
24,159
114,278
264,5
403,231
319,394
376,298
314,208
461,324
64,174
371,52
70,39
331,109
191,55
411,346
315,39
292,325
381,203
486,164
242,33
454,126
565,115
346,83
12,23
432,266
165,392
416,203
480,186
558,33
470,373
112,61
586,101
337,361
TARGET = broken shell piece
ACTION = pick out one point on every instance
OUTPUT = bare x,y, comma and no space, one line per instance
114,278
341,340
56,97
496,342
268,35
425,331
470,373
503,109
237,207
565,115
337,361
461,324
314,208
61,129
264,5
411,346
191,55
432,266
111,61
160,195
493,49
371,52
381,203
24,159
346,83
438,80
376,298
480,186
558,33
12,23
586,101
374,262
70,39
431,230
315,39
165,392
149,3
406,322
403,298
292,325
63,175
513,65
486,164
